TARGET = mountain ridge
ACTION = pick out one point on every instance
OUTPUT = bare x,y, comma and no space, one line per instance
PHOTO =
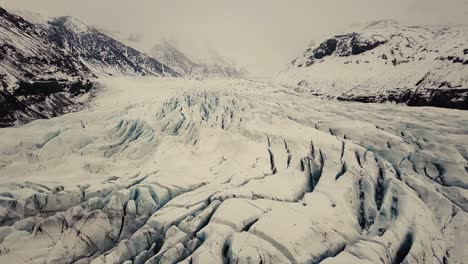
212,66
47,64
387,62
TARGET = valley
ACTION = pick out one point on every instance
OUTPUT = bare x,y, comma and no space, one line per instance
166,170
119,146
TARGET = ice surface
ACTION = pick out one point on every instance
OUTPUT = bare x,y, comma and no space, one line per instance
162,170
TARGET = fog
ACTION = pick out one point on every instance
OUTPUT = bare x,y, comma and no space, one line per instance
262,35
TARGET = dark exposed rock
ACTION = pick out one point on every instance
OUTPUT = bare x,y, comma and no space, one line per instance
43,88
446,98
325,49
40,100
343,46
8,102
457,60
454,59
359,45
80,87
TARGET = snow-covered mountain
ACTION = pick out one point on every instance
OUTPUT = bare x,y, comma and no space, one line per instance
46,63
386,61
168,54
214,65
102,53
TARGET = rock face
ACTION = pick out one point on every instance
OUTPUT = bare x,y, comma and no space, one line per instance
387,62
214,66
344,45
41,99
101,53
53,59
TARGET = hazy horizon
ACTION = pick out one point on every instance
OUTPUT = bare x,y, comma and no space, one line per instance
263,35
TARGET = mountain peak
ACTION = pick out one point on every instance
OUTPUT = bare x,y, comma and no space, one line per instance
214,65
72,24
388,23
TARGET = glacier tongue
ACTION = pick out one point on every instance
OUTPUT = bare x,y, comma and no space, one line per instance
233,171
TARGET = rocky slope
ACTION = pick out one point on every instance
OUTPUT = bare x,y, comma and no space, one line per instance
386,61
101,53
213,66
46,64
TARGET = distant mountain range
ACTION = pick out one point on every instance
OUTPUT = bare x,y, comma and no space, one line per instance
387,62
46,63
212,66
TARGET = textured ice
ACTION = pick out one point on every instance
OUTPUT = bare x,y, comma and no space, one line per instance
162,170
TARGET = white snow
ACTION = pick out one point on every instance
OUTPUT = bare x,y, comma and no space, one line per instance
412,57
167,170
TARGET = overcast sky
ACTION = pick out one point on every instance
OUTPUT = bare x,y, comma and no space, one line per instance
263,35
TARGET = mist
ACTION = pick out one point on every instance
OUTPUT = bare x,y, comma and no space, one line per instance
261,35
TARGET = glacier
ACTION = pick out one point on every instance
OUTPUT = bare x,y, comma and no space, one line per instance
172,170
